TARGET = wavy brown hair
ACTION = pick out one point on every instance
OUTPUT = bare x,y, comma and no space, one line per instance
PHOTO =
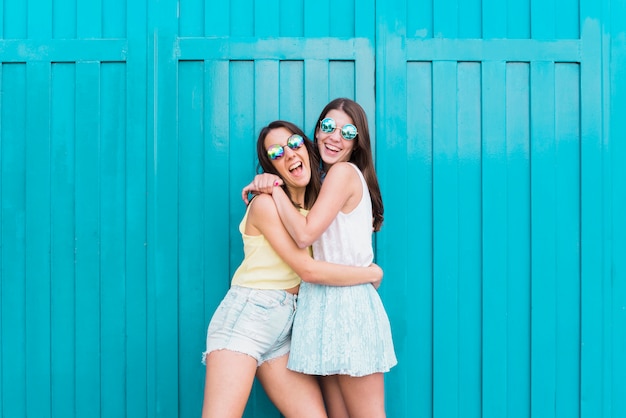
265,163
362,152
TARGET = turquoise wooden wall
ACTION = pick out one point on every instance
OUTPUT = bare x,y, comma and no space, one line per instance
127,130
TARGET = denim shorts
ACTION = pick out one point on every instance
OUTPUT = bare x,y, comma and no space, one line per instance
256,322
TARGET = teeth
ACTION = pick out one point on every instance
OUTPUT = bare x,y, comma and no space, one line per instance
296,165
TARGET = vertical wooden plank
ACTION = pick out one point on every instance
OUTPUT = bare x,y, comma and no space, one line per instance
446,18
317,95
567,128
291,91
63,19
470,19
113,301
266,92
316,20
89,18
604,61
364,84
216,266
137,149
216,257
495,390
114,19
37,222
39,21
13,240
518,238
595,271
191,237
404,156
419,19
216,194
217,18
518,22
342,19
37,277
62,193
470,236
543,19
88,230
413,319
241,18
494,19
365,19
341,79
567,20
15,20
446,240
163,206
242,138
617,128
285,16
543,233
191,21
1,228
392,246
269,16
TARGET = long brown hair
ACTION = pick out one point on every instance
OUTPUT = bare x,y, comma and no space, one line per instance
362,152
265,164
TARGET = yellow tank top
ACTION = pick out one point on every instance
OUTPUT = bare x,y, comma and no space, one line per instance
261,267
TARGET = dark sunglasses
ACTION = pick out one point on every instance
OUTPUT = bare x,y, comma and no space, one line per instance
276,151
348,131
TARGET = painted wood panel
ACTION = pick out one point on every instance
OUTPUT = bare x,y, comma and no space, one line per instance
127,130
501,118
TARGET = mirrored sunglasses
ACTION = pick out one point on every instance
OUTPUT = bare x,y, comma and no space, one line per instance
348,131
276,151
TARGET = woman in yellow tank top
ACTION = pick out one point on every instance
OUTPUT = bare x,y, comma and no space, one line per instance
250,332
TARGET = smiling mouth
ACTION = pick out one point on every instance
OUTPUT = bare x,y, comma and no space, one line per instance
295,166
331,148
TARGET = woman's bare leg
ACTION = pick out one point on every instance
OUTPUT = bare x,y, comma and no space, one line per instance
228,382
364,396
296,395
333,398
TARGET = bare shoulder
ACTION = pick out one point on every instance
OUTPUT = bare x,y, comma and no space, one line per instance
342,170
262,207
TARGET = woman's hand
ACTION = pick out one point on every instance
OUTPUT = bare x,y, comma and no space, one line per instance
262,183
378,270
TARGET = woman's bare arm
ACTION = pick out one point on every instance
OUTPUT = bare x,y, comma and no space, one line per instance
264,218
341,191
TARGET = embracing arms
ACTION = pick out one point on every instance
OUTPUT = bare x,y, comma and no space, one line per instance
263,219
341,191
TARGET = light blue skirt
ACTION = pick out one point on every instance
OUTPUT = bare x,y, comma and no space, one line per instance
340,330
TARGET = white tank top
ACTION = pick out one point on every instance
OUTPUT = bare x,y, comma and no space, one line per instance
348,239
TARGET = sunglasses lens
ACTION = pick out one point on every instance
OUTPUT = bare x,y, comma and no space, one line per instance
295,141
328,125
275,152
348,132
